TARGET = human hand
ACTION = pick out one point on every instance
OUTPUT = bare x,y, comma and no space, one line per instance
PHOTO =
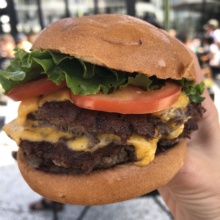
194,192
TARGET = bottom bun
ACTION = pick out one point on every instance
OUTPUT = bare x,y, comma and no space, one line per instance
112,185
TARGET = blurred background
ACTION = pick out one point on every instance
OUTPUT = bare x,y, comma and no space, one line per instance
194,22
30,16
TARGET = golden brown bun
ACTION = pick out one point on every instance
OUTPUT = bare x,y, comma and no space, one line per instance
108,186
119,42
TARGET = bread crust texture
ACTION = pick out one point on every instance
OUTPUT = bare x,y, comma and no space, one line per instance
119,42
116,184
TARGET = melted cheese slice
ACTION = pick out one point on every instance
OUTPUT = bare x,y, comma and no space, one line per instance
30,105
166,114
82,142
58,96
145,150
27,106
175,133
31,132
23,129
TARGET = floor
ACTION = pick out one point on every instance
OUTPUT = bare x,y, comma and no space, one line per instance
15,195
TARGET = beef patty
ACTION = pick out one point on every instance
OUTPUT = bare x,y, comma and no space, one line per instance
66,116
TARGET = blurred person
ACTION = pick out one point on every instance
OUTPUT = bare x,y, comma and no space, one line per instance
185,40
172,32
152,19
213,53
7,45
22,42
212,29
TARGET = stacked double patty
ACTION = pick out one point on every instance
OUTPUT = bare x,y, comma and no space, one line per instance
66,116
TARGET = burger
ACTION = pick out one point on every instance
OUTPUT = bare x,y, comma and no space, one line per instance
107,102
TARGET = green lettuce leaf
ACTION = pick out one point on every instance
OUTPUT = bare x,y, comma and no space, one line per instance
194,91
81,77
148,83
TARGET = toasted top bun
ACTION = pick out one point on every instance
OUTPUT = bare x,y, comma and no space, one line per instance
119,42
116,184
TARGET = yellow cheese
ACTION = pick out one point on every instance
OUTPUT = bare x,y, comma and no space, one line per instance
31,132
145,149
78,144
82,143
175,133
166,114
27,106
181,102
30,105
14,130
59,95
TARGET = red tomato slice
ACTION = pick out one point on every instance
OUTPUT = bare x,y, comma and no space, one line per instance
34,88
130,100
